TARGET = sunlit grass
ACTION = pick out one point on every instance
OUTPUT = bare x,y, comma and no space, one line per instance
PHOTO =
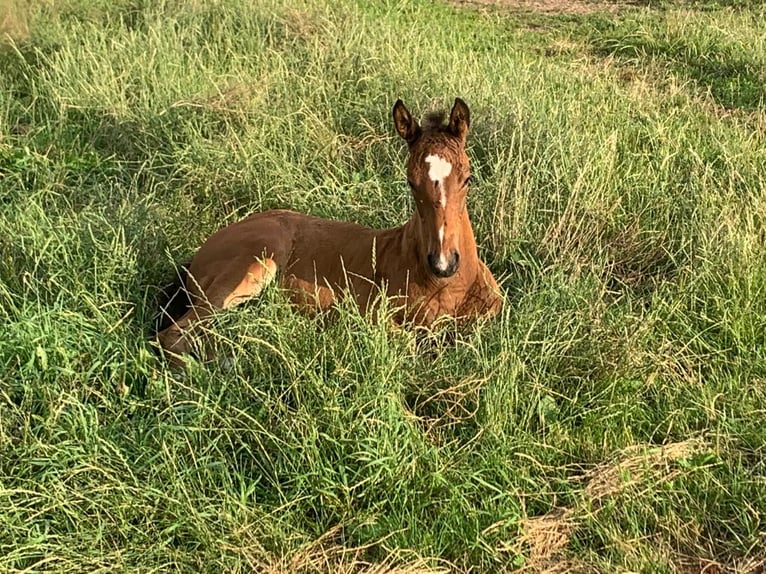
610,417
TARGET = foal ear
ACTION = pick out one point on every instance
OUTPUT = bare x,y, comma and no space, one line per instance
459,119
406,126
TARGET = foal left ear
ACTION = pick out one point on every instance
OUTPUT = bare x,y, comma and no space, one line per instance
459,119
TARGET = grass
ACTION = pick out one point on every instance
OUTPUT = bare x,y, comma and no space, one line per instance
724,59
611,418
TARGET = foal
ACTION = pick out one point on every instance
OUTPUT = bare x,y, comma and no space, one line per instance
429,266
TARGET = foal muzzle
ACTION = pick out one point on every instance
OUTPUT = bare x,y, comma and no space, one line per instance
442,266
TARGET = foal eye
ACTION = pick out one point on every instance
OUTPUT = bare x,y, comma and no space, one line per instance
412,185
468,181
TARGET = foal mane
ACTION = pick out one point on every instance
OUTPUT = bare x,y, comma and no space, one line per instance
434,121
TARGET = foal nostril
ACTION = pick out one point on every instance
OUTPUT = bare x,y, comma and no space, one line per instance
432,261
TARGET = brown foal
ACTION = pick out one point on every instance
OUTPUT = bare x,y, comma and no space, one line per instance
429,266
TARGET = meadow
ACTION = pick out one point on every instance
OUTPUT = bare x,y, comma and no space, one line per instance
610,420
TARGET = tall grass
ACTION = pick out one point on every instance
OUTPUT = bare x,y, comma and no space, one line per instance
610,419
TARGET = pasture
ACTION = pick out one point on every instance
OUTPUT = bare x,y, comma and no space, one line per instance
611,419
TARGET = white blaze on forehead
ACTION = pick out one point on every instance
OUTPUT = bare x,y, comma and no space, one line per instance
438,169
441,235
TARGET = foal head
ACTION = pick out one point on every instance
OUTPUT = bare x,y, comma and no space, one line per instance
438,174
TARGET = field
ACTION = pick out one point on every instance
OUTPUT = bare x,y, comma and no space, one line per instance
611,420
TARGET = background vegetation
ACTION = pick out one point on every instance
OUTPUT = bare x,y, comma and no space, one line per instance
610,420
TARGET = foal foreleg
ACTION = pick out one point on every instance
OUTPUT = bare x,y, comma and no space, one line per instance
176,339
234,286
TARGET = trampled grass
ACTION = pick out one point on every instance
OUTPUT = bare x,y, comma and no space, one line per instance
610,420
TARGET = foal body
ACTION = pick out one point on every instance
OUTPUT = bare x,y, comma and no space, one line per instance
429,266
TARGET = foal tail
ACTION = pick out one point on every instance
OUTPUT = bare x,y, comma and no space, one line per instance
173,300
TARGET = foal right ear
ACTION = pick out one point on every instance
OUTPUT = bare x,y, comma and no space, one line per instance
460,119
406,126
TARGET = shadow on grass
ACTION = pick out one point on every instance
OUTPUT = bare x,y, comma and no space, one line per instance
734,80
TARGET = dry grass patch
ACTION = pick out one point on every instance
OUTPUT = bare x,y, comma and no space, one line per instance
301,24
544,539
696,565
14,21
233,99
637,465
340,560
551,6
564,47
326,555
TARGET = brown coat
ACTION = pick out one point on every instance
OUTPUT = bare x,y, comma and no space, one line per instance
429,266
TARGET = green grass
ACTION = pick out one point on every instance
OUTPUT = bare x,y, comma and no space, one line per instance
611,419
722,53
